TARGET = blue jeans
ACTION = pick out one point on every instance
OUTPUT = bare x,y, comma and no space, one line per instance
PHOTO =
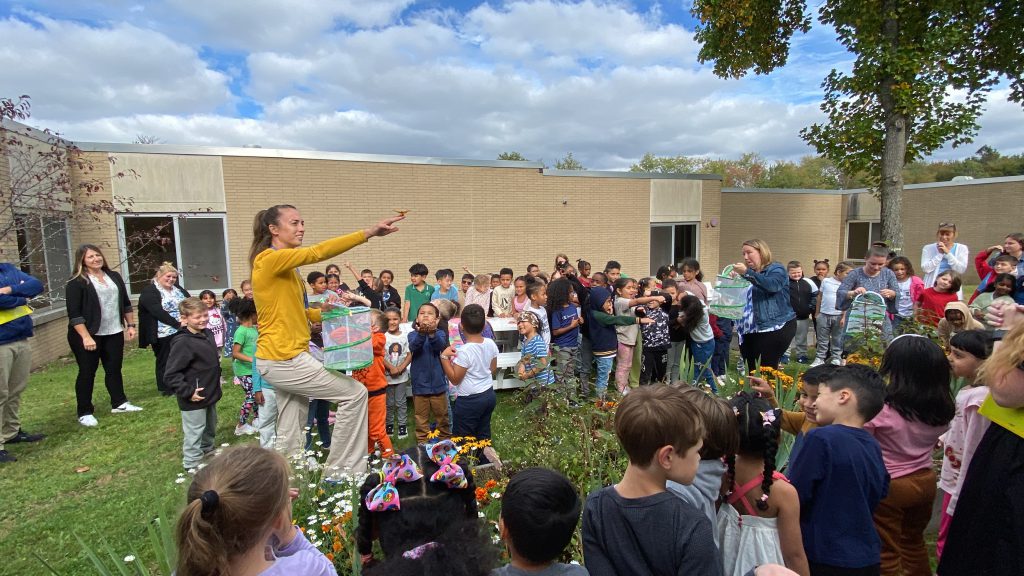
318,409
721,356
702,353
604,368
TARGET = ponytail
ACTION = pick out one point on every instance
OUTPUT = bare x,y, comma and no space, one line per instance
261,236
232,504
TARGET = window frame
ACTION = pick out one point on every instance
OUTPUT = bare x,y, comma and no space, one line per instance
175,218
45,301
672,226
872,225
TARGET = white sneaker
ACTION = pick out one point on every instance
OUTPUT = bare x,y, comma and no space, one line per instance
837,362
88,420
126,407
817,362
244,429
721,380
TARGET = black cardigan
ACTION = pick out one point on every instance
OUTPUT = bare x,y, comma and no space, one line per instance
83,303
151,311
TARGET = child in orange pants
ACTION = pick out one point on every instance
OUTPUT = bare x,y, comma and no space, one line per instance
377,385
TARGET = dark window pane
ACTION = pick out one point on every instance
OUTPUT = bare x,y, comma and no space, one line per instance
149,242
686,242
661,247
857,240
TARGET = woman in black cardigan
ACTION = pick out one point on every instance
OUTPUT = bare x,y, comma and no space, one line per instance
100,318
158,317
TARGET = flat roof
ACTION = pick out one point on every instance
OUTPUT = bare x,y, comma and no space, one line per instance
996,180
175,149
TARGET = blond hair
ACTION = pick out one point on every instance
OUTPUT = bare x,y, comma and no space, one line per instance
1008,356
482,280
232,504
164,268
190,306
762,250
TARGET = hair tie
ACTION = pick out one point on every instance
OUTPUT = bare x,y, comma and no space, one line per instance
419,551
210,499
398,468
445,454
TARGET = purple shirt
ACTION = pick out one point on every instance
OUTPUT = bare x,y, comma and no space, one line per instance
300,558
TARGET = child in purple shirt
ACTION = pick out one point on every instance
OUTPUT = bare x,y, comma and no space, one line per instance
238,507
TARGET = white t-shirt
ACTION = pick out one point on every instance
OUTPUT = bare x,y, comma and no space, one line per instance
542,315
396,348
702,332
904,306
476,358
829,288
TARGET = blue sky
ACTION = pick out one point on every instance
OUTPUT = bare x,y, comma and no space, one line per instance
605,80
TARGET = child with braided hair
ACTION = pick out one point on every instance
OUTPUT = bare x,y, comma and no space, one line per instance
759,522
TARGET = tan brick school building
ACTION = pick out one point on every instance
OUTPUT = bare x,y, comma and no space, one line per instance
194,206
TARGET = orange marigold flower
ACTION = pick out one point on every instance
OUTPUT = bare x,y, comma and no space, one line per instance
336,546
490,484
330,556
326,528
481,494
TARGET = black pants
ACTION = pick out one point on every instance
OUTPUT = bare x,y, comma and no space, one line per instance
653,366
826,570
161,349
766,348
110,351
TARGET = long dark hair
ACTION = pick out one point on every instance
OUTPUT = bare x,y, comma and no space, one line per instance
919,375
558,295
692,310
759,435
261,236
694,264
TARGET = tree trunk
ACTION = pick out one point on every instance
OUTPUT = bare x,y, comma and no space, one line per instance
895,145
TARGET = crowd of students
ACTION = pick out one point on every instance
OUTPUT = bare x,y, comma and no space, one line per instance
703,492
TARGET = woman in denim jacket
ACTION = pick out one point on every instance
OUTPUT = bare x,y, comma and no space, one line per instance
774,319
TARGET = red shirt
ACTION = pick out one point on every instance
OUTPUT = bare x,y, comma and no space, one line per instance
933,305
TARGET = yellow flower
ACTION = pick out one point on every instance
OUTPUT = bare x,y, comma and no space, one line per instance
433,434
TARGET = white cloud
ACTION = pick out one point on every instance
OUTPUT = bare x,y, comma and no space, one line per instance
542,77
281,24
75,71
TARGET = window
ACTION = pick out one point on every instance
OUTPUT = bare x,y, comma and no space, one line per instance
859,236
195,244
671,243
44,251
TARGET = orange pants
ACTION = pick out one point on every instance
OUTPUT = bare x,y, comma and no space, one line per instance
377,410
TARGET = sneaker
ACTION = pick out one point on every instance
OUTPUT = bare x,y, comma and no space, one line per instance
403,432
802,360
391,429
88,420
784,360
23,436
5,456
837,362
244,429
817,362
126,407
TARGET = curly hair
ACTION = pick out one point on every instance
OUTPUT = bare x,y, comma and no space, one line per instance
558,294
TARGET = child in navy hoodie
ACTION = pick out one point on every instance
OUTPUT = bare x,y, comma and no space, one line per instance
429,386
602,322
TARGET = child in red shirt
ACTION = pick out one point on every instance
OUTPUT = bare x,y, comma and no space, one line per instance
930,305
377,385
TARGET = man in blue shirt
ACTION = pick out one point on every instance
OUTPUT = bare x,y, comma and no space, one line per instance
16,288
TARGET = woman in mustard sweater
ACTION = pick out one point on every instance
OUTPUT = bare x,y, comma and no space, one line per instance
283,343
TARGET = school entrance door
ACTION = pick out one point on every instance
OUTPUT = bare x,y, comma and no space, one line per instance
671,242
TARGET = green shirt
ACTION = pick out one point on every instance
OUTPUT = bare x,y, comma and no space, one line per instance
416,298
245,337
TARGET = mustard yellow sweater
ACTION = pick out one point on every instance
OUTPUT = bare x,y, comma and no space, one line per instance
279,292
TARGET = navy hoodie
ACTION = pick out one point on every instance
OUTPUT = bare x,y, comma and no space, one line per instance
427,375
602,325
23,288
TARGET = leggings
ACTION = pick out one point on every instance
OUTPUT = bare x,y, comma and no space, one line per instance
767,348
249,406
320,411
654,364
623,365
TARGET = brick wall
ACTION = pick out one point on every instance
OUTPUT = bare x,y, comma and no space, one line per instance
481,217
88,226
796,226
50,338
983,212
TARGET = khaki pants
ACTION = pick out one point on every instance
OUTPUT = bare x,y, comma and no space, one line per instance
15,364
901,519
424,406
297,380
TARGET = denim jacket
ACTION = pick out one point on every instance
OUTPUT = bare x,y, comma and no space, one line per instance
770,295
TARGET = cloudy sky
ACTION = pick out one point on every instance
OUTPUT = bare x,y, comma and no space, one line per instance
606,80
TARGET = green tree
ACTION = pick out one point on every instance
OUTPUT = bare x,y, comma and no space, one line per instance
667,164
569,163
896,106
512,156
